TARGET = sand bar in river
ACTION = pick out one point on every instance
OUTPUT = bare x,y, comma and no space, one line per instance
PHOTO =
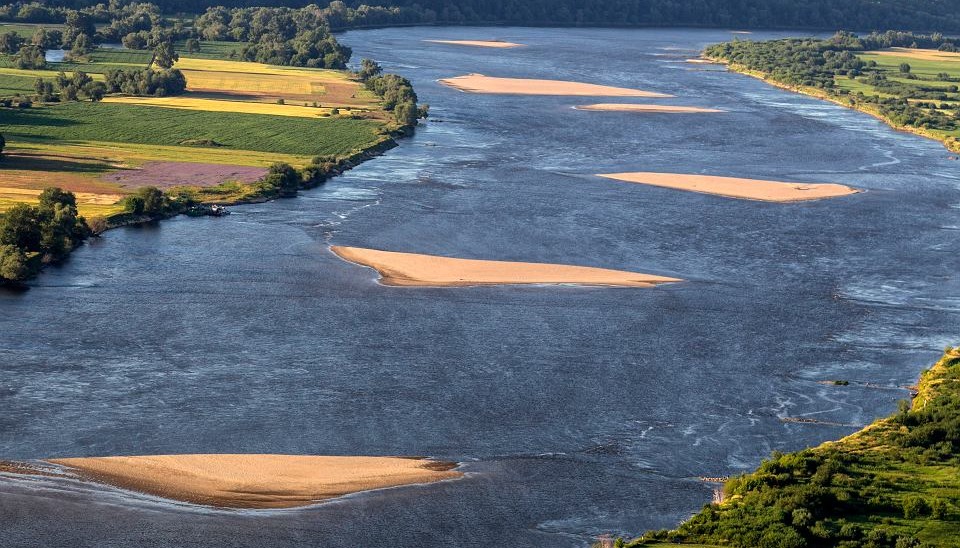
414,269
734,187
478,83
257,481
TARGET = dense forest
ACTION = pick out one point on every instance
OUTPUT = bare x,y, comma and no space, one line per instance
942,15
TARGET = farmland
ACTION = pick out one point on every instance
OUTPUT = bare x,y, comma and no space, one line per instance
236,119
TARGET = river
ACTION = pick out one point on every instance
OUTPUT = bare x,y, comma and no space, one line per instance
576,411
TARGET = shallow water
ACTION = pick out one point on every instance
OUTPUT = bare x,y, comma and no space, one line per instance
577,411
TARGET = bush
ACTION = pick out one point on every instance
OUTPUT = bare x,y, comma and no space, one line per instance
915,506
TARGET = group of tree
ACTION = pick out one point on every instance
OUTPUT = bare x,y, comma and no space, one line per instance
396,92
45,232
277,36
79,85
148,201
816,63
810,14
159,83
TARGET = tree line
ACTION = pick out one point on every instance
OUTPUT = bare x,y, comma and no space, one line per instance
943,15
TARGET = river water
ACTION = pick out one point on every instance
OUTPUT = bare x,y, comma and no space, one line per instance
576,411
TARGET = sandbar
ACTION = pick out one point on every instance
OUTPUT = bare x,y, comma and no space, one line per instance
257,481
414,269
478,43
616,107
921,54
478,83
734,187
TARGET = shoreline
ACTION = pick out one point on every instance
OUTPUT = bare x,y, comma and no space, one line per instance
952,145
124,219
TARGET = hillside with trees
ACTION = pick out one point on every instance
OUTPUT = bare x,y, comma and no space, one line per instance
942,15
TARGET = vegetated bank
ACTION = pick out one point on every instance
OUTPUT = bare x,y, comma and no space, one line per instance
128,135
894,484
910,81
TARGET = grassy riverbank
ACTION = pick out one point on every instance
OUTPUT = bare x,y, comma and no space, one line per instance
895,484
911,82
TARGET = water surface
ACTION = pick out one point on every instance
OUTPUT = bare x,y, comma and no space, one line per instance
577,411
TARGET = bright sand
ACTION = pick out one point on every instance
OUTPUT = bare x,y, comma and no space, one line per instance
257,481
478,43
646,108
412,269
732,187
478,83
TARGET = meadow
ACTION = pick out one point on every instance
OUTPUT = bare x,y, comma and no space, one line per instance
235,116
128,123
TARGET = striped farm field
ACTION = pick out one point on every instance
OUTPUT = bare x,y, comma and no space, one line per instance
125,123
218,105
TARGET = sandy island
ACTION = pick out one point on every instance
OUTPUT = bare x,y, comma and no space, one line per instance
617,107
413,269
478,83
257,481
478,43
732,187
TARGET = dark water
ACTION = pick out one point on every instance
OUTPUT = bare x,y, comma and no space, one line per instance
576,411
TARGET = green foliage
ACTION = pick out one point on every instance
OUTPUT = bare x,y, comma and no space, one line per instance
164,56
113,122
31,58
13,263
397,94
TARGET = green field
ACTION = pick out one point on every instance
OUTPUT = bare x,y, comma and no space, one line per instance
210,49
101,60
84,121
26,30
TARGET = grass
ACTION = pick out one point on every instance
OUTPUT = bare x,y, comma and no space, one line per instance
190,102
210,49
102,60
26,30
111,122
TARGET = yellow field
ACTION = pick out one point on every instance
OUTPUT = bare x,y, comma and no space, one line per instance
120,155
41,73
256,82
920,54
244,67
187,102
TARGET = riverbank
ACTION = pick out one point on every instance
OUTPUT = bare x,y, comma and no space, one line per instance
894,483
848,101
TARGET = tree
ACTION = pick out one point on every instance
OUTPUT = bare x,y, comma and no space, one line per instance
905,68
21,228
30,57
193,45
13,263
10,43
283,177
94,91
164,56
82,45
369,69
